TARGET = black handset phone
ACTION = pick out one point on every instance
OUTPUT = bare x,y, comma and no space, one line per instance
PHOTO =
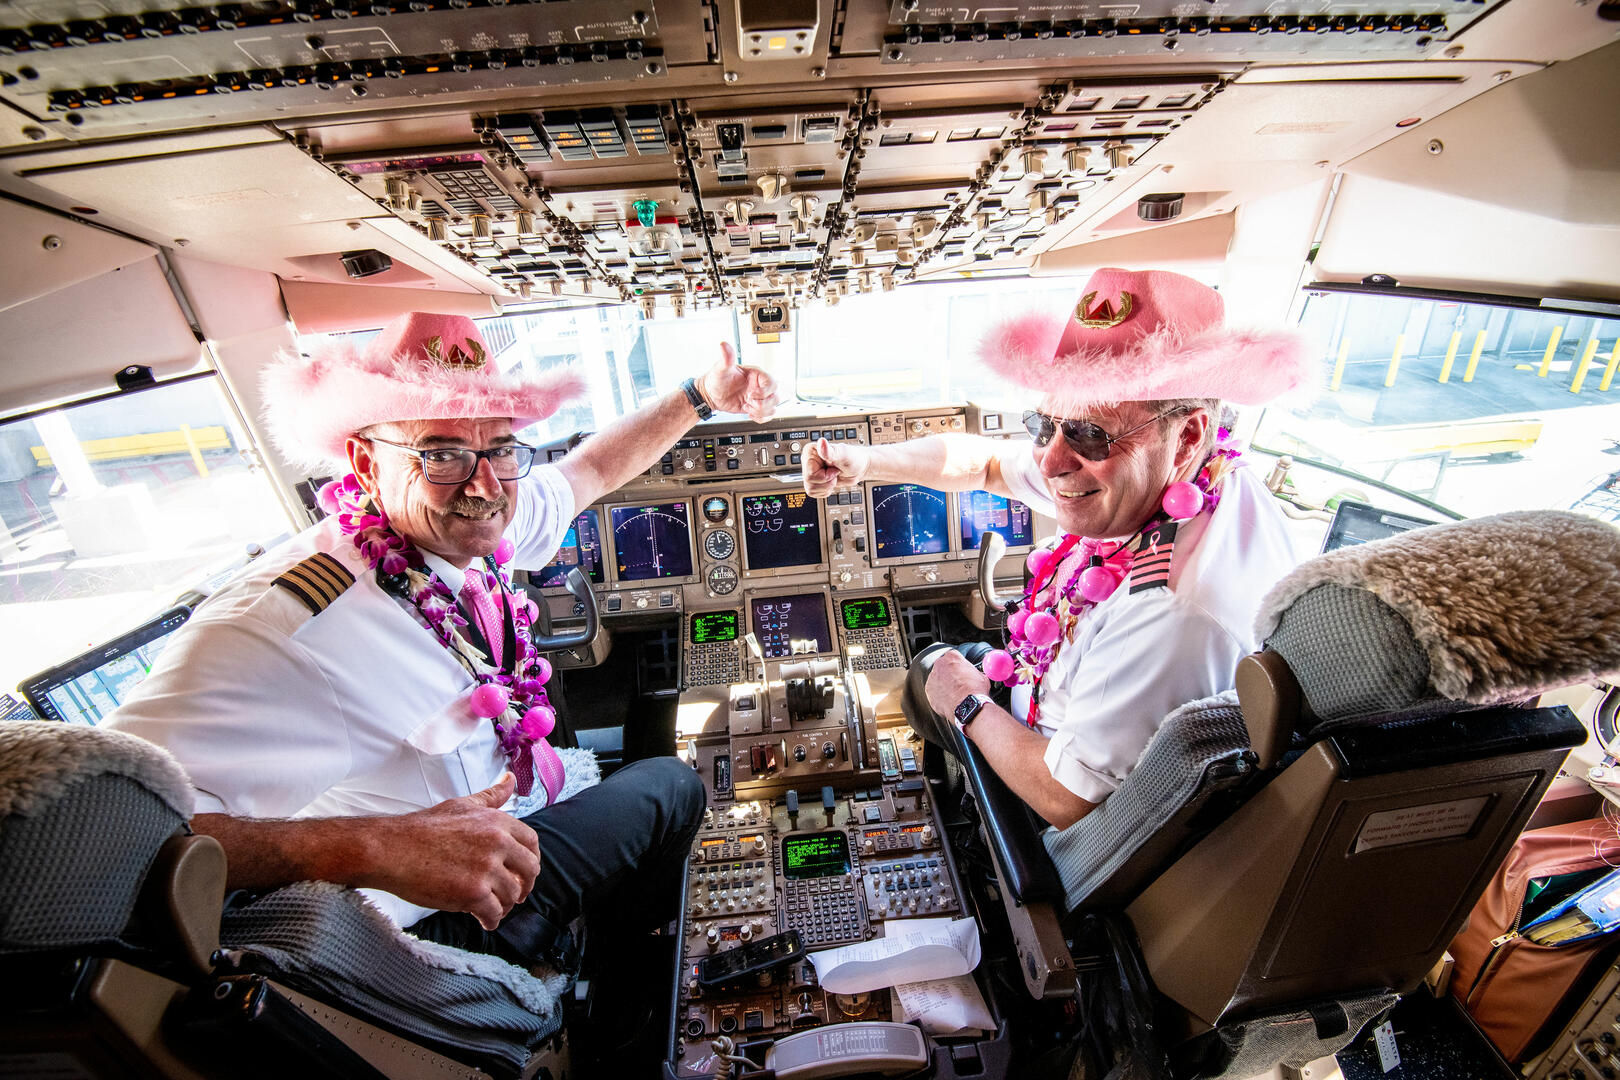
748,958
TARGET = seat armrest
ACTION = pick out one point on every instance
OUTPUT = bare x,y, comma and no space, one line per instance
1013,831
182,897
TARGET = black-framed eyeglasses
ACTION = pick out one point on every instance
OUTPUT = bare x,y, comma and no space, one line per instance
1087,439
456,464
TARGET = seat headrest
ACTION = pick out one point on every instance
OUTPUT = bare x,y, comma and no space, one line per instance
1477,612
41,759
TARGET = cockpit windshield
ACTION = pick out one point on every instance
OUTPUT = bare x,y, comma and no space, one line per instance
1473,406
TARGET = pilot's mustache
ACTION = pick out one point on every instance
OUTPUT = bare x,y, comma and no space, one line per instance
472,505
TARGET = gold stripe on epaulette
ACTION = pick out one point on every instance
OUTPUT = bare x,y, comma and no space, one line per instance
316,581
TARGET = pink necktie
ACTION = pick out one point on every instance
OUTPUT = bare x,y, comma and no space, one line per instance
475,596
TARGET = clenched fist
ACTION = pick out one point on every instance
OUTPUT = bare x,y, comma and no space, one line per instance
832,465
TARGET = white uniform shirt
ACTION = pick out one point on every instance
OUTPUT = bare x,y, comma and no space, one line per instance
1135,657
277,713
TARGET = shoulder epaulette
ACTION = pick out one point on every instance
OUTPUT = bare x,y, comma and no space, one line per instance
1150,569
317,581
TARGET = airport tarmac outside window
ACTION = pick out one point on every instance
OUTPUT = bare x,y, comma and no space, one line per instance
918,345
1477,407
111,510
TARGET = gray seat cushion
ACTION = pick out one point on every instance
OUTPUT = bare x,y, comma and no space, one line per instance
1173,796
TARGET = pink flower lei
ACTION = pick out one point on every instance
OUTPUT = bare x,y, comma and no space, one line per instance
516,703
1048,613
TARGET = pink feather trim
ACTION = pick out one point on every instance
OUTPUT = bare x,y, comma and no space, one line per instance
1247,367
313,404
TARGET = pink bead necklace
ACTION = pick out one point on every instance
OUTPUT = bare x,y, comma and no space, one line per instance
1048,613
512,697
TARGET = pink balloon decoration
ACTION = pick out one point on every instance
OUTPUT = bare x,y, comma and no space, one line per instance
532,608
1038,561
998,665
489,700
1015,622
1097,583
503,551
542,669
1041,628
538,721
328,495
1182,500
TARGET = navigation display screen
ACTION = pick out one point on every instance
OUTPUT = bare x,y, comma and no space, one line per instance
983,512
822,855
789,625
652,541
581,547
88,687
909,519
872,611
781,529
714,626
1358,523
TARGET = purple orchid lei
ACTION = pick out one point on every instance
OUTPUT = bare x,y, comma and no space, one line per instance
402,572
1066,603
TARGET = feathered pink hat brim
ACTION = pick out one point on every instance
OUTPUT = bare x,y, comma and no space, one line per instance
1245,367
313,404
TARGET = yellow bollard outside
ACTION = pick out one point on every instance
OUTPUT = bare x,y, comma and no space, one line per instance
1395,360
1546,357
1451,355
196,454
1580,368
1473,357
1608,372
1338,365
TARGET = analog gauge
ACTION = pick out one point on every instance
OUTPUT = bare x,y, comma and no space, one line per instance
722,579
719,544
715,508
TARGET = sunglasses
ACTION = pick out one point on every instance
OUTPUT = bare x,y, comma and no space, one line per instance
1085,438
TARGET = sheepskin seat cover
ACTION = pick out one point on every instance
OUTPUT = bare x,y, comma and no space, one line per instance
1486,611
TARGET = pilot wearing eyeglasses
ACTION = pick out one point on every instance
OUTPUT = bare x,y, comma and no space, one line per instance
1167,541
363,706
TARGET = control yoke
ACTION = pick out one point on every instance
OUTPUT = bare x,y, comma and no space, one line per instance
577,584
991,548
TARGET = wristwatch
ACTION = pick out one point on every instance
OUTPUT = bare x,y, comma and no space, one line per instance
692,395
967,709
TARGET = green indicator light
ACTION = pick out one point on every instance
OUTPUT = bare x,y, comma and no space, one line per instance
645,209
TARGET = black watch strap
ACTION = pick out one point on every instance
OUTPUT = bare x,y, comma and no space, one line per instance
692,395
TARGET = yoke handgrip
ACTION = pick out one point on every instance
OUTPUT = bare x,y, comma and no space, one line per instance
992,546
577,584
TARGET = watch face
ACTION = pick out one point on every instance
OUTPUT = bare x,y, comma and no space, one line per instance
969,708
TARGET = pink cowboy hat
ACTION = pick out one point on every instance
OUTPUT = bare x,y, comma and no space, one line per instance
421,366
1146,335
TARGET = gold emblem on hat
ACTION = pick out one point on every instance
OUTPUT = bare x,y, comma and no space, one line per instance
473,361
1103,315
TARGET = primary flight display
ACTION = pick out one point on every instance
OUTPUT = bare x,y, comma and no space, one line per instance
652,541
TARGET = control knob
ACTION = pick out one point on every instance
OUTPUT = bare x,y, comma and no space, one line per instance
919,426
689,464
641,601
868,846
930,576
746,932
759,845
798,752
845,577
829,751
713,936
928,834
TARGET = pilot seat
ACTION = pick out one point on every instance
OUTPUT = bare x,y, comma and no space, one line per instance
1289,858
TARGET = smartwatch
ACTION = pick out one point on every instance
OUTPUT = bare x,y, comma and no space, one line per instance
968,708
692,395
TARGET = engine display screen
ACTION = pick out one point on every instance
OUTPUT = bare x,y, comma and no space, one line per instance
581,547
781,529
821,855
714,626
909,519
865,613
983,512
791,625
652,541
